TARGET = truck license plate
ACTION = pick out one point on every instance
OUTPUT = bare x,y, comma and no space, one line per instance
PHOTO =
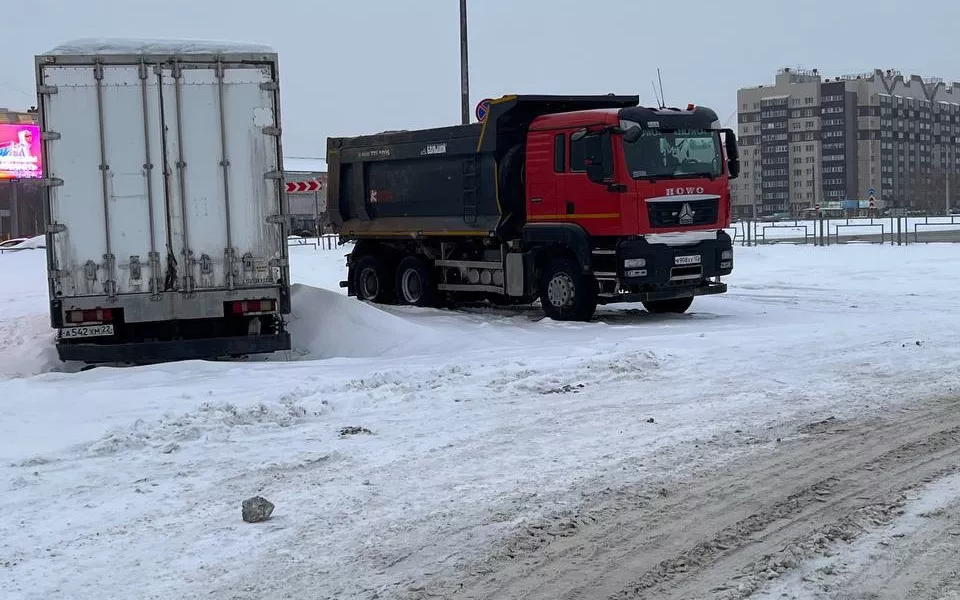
689,259
86,331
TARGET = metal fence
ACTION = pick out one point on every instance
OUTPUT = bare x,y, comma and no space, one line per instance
327,241
825,231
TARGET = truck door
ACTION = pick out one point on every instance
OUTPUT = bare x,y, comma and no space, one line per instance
594,206
216,153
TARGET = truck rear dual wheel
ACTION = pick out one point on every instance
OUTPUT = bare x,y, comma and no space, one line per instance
372,281
415,286
566,293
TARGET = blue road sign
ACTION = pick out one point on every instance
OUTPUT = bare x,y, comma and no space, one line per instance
483,107
871,192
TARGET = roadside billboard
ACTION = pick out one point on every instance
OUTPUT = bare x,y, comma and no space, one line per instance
20,151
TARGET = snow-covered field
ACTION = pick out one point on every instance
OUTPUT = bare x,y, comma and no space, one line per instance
127,483
912,226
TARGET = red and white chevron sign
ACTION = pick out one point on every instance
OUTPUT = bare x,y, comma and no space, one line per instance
304,187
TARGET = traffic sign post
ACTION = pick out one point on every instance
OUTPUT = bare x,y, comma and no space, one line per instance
304,187
483,108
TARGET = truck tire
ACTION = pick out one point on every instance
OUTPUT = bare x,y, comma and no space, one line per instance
415,286
372,281
674,305
566,293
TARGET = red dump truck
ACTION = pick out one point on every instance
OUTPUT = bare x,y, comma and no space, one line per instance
574,201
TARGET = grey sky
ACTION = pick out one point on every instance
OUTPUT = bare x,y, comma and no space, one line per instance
360,66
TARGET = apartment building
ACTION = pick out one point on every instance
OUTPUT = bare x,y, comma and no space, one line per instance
807,140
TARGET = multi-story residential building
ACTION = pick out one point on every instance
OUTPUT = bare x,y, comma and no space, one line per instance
809,140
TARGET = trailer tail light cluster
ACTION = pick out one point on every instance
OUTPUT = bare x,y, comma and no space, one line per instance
93,315
253,307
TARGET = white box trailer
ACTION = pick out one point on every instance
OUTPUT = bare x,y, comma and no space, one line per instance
164,199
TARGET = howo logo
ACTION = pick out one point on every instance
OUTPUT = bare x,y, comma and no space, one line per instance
683,191
686,214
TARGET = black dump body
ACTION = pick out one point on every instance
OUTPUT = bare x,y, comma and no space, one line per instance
449,181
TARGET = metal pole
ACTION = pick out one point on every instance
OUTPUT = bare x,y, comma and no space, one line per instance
15,210
464,73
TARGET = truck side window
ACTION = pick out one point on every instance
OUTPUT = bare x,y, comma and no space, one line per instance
559,153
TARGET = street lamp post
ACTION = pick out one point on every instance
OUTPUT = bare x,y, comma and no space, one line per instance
464,74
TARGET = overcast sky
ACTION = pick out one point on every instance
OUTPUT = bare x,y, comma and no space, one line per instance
360,66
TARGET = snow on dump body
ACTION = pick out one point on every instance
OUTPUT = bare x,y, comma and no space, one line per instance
84,46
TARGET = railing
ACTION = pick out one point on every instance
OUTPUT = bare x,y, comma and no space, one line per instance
826,231
327,241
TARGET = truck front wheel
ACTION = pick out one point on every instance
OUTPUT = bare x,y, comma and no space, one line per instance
414,284
566,293
371,280
674,305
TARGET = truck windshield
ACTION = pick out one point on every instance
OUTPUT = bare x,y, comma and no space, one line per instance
674,154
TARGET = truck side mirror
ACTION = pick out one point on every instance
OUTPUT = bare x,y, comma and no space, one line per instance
733,153
632,134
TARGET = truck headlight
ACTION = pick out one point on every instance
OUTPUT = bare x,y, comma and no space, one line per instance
726,255
637,273
634,263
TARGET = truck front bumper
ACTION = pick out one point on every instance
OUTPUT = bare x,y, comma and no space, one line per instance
648,272
174,350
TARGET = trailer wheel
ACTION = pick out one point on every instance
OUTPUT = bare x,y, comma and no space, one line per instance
674,305
566,294
371,280
414,284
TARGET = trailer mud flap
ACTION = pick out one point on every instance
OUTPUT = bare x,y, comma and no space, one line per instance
150,352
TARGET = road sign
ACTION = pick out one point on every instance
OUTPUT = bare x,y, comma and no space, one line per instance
816,206
483,107
873,201
304,187
871,192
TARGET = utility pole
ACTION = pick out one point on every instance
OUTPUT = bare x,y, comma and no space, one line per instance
464,74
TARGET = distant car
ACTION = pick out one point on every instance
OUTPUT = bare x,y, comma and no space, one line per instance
12,242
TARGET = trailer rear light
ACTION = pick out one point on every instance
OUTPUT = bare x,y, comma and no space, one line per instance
93,315
251,307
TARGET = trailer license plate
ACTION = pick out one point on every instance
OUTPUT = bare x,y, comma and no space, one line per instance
86,331
689,259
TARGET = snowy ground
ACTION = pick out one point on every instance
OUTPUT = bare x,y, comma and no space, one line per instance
127,483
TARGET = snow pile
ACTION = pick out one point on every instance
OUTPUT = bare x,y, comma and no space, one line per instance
326,324
26,339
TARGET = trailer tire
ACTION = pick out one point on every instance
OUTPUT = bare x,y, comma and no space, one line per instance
371,280
415,286
566,293
674,305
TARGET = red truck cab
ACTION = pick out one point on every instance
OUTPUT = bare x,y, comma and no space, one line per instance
645,174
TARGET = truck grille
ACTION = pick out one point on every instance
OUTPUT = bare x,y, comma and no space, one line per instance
671,214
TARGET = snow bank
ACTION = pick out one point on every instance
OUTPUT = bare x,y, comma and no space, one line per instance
148,46
325,324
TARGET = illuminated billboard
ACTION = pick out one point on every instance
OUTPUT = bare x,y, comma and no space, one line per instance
20,151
